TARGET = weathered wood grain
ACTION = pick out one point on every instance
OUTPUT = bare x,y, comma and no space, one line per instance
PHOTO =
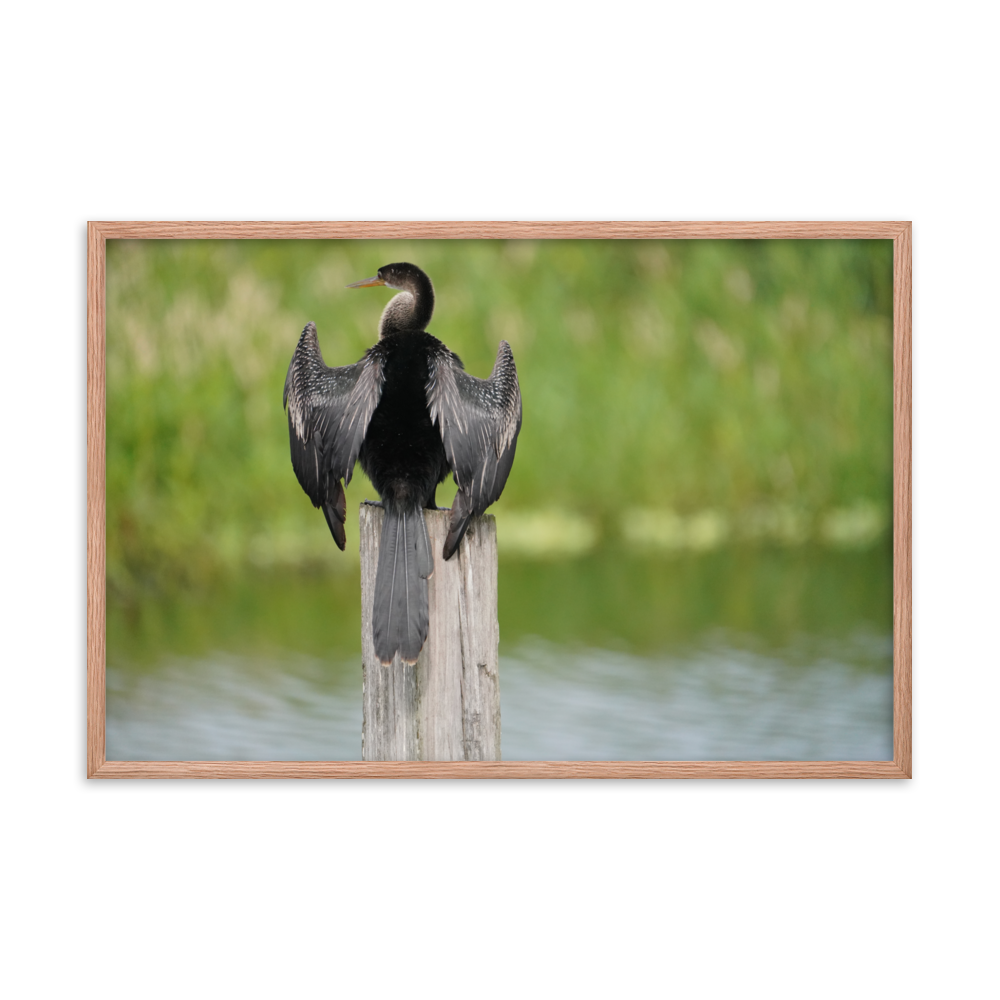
447,706
902,546
500,230
96,609
503,769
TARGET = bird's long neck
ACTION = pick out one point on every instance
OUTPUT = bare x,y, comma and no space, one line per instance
411,309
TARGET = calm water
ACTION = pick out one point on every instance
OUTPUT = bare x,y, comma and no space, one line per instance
759,655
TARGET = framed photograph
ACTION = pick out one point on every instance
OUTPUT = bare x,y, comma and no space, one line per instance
714,465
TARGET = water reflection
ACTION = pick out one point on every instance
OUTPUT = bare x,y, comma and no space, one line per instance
228,707
767,655
720,703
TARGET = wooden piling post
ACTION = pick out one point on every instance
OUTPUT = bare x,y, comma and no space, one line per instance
447,706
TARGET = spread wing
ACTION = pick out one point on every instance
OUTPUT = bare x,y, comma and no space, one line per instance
328,414
479,420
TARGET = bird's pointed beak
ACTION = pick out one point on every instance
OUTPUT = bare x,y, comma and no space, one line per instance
368,283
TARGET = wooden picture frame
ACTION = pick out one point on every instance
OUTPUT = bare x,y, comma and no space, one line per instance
899,232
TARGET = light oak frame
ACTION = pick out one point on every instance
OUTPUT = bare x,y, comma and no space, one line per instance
899,232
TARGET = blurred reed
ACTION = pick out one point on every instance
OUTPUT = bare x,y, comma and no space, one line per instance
679,396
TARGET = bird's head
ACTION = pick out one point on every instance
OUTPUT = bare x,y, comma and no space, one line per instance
412,308
401,277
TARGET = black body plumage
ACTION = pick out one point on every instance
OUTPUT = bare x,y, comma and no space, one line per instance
410,413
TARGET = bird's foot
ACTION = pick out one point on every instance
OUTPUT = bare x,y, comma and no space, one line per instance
372,503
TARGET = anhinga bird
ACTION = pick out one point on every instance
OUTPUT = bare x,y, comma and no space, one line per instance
410,413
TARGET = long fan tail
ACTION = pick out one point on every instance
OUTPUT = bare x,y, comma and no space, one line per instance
400,611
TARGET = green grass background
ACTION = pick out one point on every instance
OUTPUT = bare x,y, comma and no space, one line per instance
678,395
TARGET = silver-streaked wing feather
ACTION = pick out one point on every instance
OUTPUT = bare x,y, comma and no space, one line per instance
479,420
328,414
364,399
